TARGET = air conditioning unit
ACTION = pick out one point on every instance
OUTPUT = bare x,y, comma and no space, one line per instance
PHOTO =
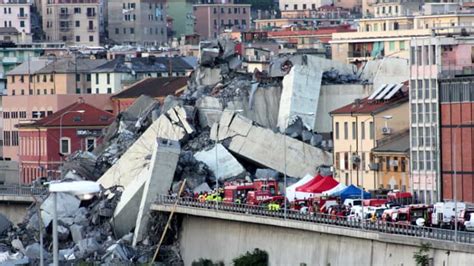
386,131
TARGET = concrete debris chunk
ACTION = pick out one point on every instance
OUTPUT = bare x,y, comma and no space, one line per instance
77,232
66,254
226,166
4,223
67,205
33,251
209,110
87,246
63,232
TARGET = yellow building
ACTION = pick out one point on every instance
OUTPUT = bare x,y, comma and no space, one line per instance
358,126
391,162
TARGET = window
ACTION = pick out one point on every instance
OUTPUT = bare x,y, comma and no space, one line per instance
6,115
13,92
22,92
346,130
52,91
96,78
304,6
22,24
78,23
403,166
78,90
387,163
78,38
88,77
391,45
362,130
88,90
132,30
371,130
117,31
77,10
346,161
402,45
97,90
6,138
109,90
91,38
15,138
354,130
108,78
22,114
337,130
78,77
295,7
13,79
65,146
90,144
45,91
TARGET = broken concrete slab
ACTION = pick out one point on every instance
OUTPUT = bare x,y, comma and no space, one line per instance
87,246
209,110
300,96
63,232
226,166
267,148
160,177
67,205
77,232
4,223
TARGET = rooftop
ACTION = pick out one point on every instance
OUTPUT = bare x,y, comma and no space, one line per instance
8,31
399,143
146,64
370,105
154,87
91,116
30,66
72,65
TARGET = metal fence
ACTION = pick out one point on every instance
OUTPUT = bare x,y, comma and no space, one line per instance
21,190
321,218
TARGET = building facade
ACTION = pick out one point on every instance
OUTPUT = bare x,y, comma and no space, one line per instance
182,12
457,131
45,143
356,129
432,60
73,22
16,14
392,162
137,22
214,19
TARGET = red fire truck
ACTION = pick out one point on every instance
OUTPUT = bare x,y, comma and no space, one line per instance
261,191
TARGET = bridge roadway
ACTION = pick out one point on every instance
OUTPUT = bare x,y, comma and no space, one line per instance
377,241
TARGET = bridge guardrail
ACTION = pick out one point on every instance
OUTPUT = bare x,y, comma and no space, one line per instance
21,190
322,218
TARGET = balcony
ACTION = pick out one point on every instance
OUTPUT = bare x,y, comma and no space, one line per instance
23,16
91,29
91,15
64,29
64,16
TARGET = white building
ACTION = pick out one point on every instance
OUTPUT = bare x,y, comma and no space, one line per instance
299,5
16,14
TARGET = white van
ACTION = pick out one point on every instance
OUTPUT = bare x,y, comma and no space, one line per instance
443,213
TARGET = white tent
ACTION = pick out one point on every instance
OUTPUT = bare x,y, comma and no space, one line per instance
335,189
291,190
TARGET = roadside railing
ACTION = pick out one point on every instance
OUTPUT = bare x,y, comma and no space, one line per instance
21,190
327,219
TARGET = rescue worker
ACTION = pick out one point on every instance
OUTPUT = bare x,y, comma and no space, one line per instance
202,198
373,218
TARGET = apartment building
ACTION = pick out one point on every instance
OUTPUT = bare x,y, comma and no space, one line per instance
388,34
441,115
75,22
137,22
359,125
214,19
16,14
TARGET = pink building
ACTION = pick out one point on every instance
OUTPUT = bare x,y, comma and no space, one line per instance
213,19
26,108
16,14
76,127
354,5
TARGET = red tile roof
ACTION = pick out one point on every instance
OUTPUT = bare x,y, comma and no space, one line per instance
154,87
92,116
366,106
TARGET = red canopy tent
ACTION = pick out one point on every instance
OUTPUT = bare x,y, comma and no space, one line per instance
311,182
326,183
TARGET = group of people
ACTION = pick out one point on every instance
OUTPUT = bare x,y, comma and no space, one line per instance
212,196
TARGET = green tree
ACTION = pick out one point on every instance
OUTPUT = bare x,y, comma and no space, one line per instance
256,258
421,256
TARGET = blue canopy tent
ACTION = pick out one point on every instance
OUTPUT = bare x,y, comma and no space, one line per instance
351,192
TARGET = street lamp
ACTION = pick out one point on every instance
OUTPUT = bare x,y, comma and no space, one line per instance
76,188
455,177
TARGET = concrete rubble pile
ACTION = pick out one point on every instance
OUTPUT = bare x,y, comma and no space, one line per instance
120,135
228,125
